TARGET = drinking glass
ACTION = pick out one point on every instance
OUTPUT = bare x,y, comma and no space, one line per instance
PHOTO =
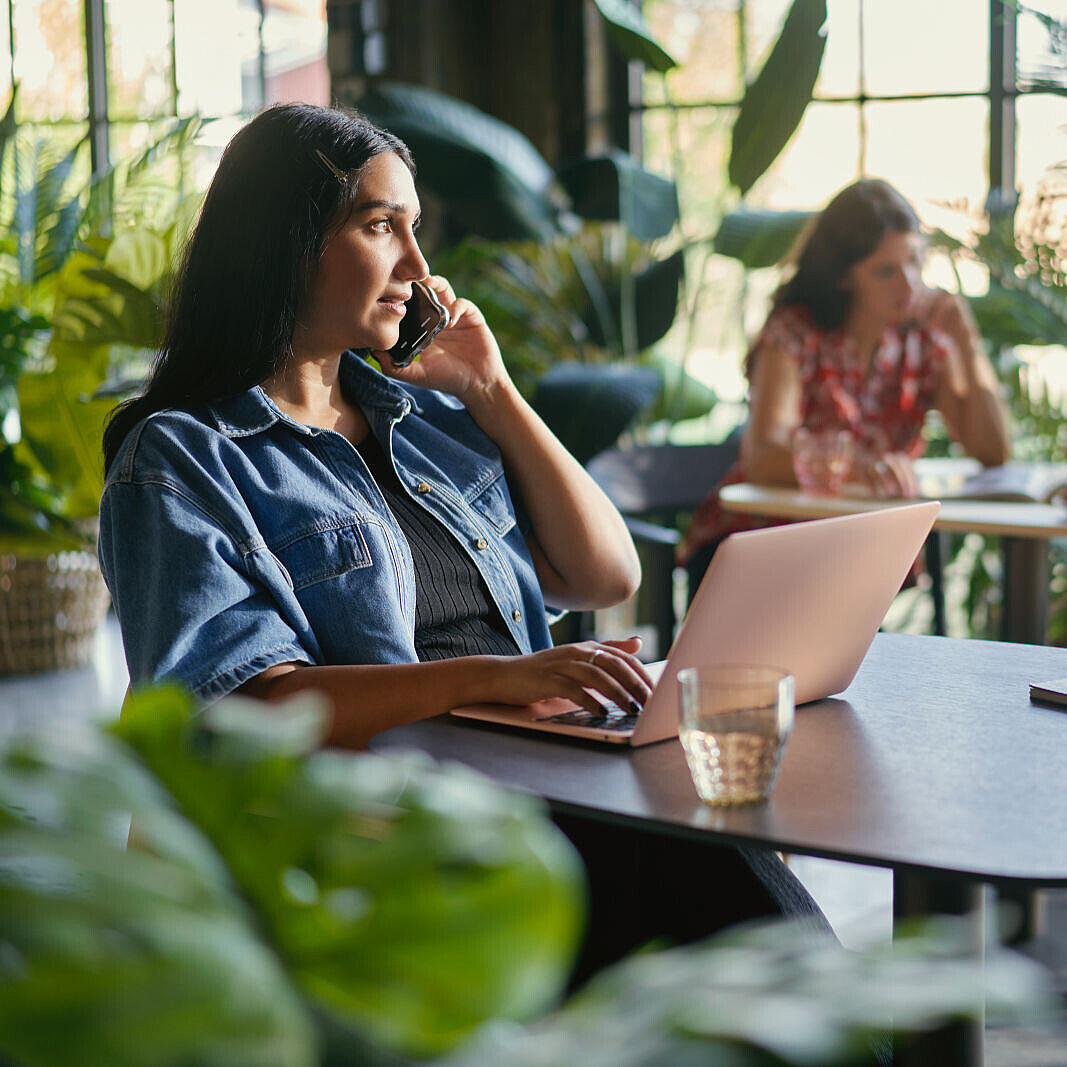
822,460
735,720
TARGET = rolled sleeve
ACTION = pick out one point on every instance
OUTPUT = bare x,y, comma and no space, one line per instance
196,604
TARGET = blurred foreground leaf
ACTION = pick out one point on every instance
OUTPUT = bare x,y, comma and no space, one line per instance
284,906
133,957
409,900
764,995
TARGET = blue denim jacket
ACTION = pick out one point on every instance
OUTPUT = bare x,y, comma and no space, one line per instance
233,538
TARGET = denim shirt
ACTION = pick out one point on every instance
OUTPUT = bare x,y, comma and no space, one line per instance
233,538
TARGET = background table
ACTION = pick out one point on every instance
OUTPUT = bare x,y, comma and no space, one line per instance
1026,529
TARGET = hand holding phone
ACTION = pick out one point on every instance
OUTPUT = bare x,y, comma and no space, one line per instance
424,318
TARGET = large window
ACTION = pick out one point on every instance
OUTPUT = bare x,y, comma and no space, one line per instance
949,100
113,72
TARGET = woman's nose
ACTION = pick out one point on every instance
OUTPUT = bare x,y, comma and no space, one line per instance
413,264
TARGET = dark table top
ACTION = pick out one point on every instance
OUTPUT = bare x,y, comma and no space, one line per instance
933,760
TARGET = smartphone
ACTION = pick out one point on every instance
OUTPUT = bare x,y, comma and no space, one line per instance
1054,692
425,317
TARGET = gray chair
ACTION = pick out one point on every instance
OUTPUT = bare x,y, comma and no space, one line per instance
589,405
655,487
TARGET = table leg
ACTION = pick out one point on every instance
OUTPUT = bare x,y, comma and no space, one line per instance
1026,580
935,567
957,1044
1025,619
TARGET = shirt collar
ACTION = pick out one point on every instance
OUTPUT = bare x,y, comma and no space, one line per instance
252,411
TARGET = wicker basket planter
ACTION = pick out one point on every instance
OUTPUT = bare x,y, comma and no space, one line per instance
50,609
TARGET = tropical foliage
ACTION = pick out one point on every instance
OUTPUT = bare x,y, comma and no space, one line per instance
83,265
281,904
589,263
1022,251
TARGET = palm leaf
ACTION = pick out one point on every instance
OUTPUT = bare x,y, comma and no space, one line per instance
7,123
46,217
774,103
63,422
631,36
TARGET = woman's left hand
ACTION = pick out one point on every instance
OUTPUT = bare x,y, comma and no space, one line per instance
463,358
949,313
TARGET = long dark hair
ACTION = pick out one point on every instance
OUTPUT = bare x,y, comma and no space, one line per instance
847,230
284,184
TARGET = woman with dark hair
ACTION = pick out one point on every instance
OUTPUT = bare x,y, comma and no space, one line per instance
855,343
280,515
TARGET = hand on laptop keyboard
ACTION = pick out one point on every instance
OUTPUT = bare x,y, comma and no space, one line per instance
592,674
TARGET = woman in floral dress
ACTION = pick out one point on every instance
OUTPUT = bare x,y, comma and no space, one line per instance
855,342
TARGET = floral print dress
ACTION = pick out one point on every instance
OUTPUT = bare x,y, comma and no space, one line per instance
883,406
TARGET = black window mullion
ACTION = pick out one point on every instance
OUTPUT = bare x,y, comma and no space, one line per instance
1002,93
96,68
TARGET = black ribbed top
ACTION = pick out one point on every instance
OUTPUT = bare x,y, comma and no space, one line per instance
454,613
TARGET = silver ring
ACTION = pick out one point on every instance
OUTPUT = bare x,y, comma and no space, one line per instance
592,658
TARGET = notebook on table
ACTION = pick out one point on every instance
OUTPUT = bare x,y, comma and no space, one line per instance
808,597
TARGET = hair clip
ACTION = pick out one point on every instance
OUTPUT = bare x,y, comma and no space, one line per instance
331,167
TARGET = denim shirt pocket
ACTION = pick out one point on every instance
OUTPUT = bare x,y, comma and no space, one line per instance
493,504
318,554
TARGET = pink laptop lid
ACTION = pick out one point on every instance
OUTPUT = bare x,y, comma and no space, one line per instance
808,597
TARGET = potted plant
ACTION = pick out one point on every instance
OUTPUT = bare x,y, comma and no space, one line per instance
80,292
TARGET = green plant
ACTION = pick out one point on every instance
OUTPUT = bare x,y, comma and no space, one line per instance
83,264
1023,251
279,904
588,263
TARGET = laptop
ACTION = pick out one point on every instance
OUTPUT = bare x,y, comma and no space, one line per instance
808,597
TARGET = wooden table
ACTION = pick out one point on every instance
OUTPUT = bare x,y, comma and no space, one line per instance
933,763
1025,529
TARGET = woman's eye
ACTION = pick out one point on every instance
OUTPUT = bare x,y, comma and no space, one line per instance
381,226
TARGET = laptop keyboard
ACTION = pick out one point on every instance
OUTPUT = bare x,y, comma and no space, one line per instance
614,719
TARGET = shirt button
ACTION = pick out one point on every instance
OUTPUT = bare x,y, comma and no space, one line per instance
516,615
481,544
422,487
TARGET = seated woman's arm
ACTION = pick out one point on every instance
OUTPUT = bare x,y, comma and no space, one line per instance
581,549
774,414
969,395
580,546
368,699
